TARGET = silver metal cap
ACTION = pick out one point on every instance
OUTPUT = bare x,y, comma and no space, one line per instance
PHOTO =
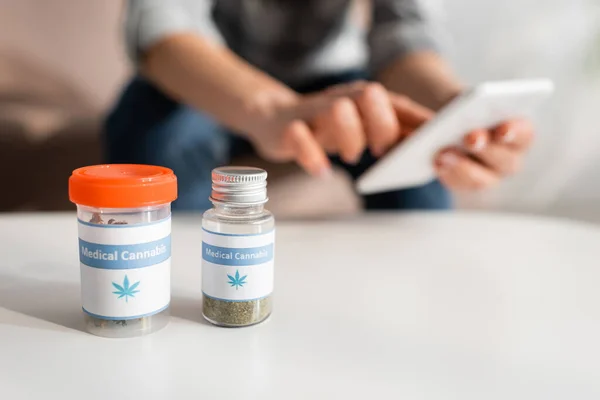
239,185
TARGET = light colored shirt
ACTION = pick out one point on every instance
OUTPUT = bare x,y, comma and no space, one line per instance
293,40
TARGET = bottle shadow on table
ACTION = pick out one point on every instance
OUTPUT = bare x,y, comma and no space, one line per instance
40,304
43,304
189,309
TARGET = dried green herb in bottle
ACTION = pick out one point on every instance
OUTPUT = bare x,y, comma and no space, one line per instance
237,249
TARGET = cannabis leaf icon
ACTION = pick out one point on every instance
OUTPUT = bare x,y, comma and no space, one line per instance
236,281
126,290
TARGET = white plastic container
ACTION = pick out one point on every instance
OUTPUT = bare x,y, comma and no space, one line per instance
124,224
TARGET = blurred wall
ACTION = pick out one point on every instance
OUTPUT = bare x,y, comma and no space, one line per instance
60,67
76,39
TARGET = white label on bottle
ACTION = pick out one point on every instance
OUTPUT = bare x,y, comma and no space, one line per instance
237,267
125,270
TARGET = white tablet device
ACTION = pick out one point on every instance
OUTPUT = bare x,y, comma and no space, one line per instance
411,162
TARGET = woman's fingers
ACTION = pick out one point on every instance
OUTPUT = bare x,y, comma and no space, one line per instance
517,134
502,159
378,117
386,116
477,140
346,89
486,157
457,171
408,112
305,149
341,124
351,116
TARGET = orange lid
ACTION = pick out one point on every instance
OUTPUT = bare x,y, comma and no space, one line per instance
122,186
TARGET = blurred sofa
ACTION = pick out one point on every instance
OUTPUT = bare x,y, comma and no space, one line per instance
59,72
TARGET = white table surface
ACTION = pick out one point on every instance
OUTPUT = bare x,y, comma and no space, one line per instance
440,306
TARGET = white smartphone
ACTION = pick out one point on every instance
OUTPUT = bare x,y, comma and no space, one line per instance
410,163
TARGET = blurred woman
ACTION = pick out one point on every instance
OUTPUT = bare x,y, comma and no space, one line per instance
307,81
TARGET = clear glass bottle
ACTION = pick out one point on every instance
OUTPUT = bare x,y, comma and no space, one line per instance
124,215
238,249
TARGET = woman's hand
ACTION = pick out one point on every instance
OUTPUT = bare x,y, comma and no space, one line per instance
345,119
486,157
366,115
